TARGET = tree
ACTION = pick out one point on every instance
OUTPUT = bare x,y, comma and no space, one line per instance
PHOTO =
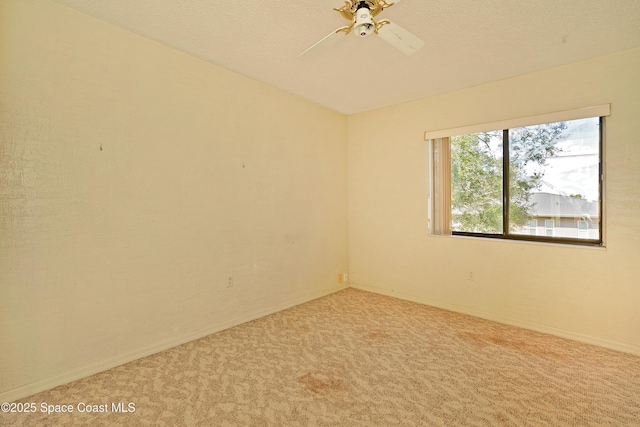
477,171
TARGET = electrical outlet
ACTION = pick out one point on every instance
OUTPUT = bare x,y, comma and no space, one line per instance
229,281
470,276
340,278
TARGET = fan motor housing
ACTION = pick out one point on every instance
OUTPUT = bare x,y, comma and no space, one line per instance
364,22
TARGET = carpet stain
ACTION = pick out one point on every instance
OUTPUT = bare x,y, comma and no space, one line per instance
518,345
320,383
377,335
501,417
473,338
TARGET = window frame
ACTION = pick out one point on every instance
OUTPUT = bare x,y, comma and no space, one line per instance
591,112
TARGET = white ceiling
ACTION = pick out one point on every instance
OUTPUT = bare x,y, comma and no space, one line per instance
468,42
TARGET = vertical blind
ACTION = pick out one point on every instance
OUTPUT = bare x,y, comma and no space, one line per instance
440,194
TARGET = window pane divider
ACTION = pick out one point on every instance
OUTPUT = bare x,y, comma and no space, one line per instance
506,180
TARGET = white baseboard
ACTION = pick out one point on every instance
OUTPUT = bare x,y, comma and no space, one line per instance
103,365
625,348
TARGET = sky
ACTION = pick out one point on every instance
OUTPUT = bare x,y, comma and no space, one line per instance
575,169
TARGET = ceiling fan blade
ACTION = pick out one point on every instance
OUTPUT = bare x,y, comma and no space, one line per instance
323,44
400,38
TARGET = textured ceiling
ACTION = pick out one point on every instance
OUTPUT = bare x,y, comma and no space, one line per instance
468,42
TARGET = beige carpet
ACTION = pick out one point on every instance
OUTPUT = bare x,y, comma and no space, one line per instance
360,359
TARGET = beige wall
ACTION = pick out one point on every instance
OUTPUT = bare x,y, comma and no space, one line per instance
583,293
133,180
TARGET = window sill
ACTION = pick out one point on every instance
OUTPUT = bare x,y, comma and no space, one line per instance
524,242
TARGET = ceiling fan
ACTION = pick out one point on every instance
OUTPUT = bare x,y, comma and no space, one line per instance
361,14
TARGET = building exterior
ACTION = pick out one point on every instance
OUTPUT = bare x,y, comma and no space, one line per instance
557,215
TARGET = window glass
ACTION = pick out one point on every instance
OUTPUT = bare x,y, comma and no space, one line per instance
476,183
554,175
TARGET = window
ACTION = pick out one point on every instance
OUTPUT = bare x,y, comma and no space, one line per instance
583,229
503,183
548,227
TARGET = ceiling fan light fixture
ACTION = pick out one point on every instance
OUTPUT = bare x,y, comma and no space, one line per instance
365,29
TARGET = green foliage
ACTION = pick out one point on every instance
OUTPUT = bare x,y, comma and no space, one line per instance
476,182
477,169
